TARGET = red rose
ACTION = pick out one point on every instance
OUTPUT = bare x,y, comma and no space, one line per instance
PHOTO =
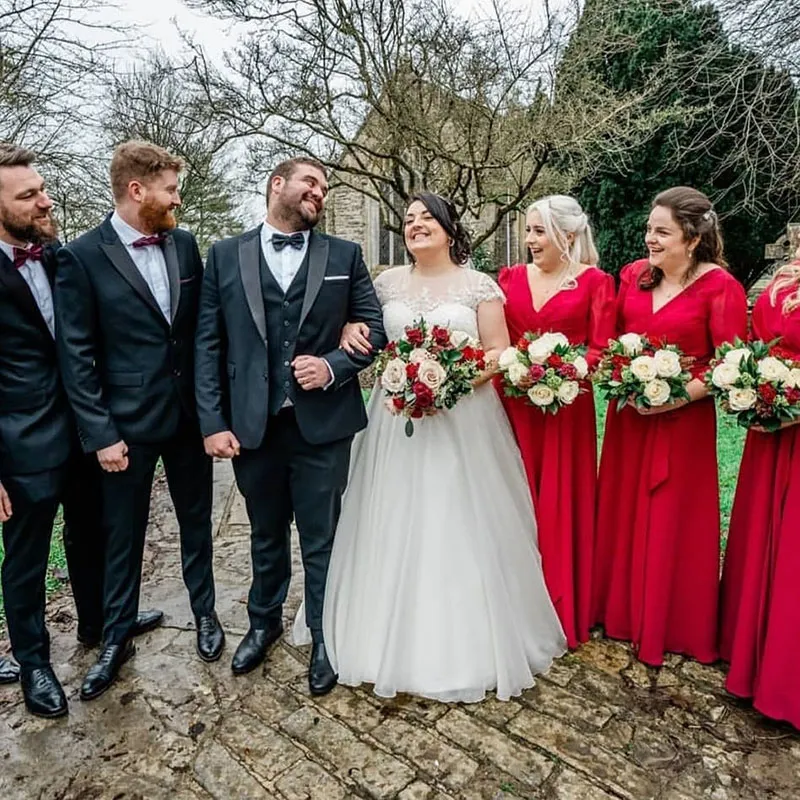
619,361
469,353
391,347
412,370
480,363
616,374
768,393
555,360
416,413
793,396
568,371
536,372
440,335
415,336
399,403
423,395
522,344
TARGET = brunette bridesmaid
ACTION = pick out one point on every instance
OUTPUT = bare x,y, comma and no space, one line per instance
562,291
760,619
656,575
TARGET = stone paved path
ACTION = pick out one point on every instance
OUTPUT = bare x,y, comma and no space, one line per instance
598,725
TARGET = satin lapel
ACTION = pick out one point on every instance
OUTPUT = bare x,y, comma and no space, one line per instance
174,275
21,293
317,263
123,263
249,271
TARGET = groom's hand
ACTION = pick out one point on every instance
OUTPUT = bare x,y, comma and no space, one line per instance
312,372
221,445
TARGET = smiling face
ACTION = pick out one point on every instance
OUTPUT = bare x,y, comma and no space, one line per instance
665,240
25,207
299,199
424,236
545,253
158,198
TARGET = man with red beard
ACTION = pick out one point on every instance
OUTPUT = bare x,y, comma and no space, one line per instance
127,296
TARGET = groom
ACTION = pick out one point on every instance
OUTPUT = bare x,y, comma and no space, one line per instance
275,391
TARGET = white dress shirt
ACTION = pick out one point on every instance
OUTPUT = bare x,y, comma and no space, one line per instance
283,264
35,276
149,261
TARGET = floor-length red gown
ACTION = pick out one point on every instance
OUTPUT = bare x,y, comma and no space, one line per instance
560,451
760,614
656,575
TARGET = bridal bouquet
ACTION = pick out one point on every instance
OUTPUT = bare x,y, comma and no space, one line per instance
636,368
757,382
545,369
428,369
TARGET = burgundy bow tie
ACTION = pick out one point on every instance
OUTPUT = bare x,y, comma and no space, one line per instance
147,241
33,253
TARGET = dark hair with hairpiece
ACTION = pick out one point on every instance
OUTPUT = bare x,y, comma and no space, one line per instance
444,212
695,214
286,169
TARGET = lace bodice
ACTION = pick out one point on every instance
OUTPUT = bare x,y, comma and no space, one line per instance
451,300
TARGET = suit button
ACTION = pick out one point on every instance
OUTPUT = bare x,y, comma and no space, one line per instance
285,363
286,323
286,344
286,384
266,376
173,342
285,304
176,373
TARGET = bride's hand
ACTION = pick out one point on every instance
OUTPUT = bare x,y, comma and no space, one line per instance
355,338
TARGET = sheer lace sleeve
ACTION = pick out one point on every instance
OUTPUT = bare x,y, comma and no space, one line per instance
482,288
388,283
602,316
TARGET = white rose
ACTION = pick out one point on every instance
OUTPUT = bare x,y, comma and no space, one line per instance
793,379
773,369
516,372
631,343
644,368
508,357
393,378
724,375
418,355
736,356
556,339
432,374
459,338
668,364
741,399
657,392
568,391
541,395
582,366
539,350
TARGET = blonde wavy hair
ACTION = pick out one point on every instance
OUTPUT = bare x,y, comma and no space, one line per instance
562,215
786,277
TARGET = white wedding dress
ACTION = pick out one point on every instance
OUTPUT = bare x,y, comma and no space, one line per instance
435,584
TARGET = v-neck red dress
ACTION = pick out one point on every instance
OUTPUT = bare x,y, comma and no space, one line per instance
560,451
656,575
760,615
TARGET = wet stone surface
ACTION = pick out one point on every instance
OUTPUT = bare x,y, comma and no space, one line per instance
598,725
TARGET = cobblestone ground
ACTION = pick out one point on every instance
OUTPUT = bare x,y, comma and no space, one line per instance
598,725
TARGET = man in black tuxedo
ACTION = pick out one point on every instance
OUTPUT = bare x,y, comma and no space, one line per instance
41,464
275,391
127,295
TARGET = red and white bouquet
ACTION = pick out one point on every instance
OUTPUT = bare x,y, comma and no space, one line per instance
757,382
635,368
428,369
545,369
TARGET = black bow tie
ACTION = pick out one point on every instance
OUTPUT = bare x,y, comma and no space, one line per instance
295,240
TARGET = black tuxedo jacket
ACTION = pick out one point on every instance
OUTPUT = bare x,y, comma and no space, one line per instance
232,370
36,425
128,371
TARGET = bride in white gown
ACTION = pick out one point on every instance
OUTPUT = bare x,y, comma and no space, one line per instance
435,584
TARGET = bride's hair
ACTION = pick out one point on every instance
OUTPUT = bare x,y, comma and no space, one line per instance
562,215
444,212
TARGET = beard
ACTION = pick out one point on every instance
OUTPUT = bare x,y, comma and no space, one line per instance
298,216
40,229
156,217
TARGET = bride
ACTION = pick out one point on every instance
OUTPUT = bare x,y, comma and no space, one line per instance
435,584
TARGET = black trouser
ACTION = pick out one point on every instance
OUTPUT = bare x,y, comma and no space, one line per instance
284,477
26,538
126,503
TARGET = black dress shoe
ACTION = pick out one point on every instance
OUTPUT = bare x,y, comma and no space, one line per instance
9,671
104,672
252,650
321,677
43,693
146,621
210,637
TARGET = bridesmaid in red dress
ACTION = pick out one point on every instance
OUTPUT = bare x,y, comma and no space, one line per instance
656,576
561,291
760,627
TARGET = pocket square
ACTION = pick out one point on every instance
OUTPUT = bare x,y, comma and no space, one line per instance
336,278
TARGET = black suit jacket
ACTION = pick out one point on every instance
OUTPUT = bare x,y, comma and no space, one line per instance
128,371
232,375
36,426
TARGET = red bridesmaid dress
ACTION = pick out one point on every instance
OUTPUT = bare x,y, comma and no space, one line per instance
760,617
560,451
656,573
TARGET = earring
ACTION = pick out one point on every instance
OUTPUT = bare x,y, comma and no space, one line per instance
450,241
